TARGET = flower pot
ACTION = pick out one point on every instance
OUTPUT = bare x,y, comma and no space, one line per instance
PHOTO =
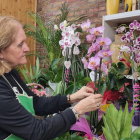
112,6
129,3
115,46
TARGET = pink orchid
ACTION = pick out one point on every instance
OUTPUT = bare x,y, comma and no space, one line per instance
86,65
90,37
125,39
94,62
85,26
105,53
121,29
67,64
104,68
103,41
84,60
97,31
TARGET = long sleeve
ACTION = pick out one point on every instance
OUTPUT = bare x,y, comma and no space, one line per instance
15,119
44,105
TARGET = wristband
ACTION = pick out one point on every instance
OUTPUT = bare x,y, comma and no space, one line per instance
76,112
68,98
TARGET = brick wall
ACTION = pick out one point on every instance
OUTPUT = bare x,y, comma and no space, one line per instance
94,9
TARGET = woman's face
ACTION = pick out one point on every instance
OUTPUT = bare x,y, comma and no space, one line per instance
15,54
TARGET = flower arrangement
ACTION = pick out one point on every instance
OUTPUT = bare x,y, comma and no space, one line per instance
132,48
96,53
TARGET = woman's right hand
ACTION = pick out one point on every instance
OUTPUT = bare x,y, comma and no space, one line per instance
91,103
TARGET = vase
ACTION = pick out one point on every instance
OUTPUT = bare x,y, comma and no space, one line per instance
129,4
115,46
112,6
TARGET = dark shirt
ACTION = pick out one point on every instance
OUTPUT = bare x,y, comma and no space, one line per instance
15,119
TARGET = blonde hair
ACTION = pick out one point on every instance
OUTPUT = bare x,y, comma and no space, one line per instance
8,30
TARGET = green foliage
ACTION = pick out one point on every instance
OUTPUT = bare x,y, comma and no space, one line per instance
31,75
115,78
67,136
118,124
81,80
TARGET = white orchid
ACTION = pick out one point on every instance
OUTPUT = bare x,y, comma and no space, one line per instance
56,27
76,50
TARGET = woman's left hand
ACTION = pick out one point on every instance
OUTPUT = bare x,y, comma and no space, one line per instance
81,94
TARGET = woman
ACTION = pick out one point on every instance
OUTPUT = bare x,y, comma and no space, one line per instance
18,104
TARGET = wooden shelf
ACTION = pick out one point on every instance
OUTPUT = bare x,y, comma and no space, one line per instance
130,77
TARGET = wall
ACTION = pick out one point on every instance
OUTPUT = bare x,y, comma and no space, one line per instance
94,9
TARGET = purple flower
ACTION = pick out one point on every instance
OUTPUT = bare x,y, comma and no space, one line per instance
97,31
137,58
125,39
129,35
104,68
105,53
125,48
121,29
94,62
134,25
85,26
136,49
103,41
84,60
137,42
86,65
90,37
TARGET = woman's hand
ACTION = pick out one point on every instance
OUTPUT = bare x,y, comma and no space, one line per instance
81,94
91,103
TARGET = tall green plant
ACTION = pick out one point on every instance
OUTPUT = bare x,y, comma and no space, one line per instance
118,124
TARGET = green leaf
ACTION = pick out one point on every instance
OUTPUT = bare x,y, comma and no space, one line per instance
107,134
85,80
113,114
126,131
135,136
71,89
79,85
120,82
121,67
59,88
119,118
58,76
128,91
80,76
126,139
102,88
137,131
54,62
124,116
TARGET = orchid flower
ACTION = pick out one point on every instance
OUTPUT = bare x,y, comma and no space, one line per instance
90,37
94,62
134,25
85,26
63,25
104,68
121,29
103,41
97,31
76,50
56,27
86,65
125,39
125,48
105,53
84,60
